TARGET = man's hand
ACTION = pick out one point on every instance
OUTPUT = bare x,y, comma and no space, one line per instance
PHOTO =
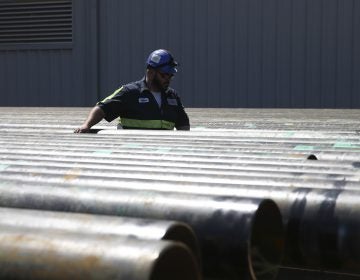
82,129
95,116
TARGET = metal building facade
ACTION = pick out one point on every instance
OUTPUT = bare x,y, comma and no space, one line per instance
233,53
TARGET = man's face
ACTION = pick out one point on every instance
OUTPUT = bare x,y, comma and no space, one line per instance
162,80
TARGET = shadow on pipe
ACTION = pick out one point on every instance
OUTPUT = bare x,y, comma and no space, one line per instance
323,230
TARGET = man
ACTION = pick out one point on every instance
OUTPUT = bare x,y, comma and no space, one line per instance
146,104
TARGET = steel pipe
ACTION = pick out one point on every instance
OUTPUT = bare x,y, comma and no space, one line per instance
163,154
146,169
139,150
245,168
114,177
237,237
106,160
85,224
209,139
345,150
29,254
106,156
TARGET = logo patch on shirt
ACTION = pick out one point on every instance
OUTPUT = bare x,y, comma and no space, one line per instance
143,100
172,101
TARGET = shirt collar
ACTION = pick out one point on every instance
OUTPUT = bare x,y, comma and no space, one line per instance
143,86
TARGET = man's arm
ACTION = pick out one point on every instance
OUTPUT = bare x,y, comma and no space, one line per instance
183,122
95,116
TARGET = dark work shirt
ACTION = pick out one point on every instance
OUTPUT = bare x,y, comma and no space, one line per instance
137,108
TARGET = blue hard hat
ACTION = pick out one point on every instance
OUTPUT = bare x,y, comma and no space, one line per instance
162,60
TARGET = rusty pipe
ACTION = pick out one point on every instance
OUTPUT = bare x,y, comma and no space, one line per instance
30,254
106,225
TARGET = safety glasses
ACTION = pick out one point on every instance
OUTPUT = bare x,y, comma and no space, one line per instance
165,75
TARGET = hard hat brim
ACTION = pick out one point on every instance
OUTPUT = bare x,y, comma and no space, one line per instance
169,69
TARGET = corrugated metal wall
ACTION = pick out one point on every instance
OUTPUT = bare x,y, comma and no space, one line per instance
233,53
53,74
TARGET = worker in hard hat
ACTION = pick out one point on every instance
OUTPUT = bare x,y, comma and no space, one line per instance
146,104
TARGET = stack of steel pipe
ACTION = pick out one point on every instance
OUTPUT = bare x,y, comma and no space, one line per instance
232,160
309,242
230,229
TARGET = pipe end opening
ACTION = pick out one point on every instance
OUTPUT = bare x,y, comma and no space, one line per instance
312,157
183,233
176,262
267,242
